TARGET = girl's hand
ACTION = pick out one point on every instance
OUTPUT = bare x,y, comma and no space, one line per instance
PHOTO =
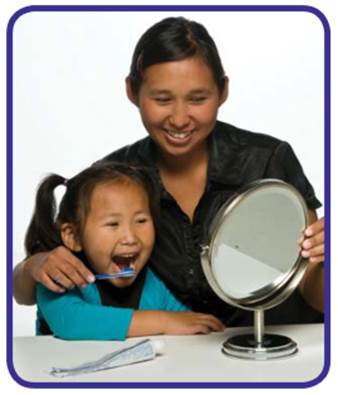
313,244
189,323
58,270
160,322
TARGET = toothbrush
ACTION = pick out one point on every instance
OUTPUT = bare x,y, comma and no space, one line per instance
127,272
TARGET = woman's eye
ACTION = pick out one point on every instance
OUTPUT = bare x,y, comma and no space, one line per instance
198,99
162,100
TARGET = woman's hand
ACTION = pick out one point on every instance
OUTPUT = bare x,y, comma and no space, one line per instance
313,244
312,285
58,270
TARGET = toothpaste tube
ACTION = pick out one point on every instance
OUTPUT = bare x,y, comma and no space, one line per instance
145,350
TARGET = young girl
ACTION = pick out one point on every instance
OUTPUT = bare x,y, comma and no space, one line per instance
106,218
177,82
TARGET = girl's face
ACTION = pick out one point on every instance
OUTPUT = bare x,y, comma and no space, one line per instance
178,102
119,230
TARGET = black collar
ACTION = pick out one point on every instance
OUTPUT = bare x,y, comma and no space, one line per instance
224,149
224,165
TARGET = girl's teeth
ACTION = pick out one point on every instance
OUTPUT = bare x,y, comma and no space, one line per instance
124,260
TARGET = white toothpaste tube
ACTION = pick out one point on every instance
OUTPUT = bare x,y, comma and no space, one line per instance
144,350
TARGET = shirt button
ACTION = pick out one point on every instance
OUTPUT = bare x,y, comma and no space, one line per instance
191,271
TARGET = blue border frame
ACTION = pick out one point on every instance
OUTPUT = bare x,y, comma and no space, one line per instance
9,196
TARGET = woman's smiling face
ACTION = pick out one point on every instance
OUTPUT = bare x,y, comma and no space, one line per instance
178,103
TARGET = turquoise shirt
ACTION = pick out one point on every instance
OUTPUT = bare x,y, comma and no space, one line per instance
78,314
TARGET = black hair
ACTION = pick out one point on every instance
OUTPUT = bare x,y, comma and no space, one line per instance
44,234
172,39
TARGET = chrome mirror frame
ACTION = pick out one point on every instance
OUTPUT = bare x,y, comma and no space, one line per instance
256,345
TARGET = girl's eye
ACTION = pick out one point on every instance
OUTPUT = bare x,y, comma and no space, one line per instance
142,220
113,224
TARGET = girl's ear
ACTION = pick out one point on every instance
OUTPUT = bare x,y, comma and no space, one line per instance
70,238
225,93
130,93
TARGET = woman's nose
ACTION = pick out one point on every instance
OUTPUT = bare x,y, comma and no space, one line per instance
179,117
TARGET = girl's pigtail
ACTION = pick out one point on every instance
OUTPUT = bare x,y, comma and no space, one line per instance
43,233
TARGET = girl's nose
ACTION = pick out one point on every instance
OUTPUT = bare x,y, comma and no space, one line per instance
128,236
179,118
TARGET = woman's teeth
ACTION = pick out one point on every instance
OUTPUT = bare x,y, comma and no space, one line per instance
178,135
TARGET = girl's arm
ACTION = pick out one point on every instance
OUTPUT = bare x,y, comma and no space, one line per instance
78,315
147,322
161,313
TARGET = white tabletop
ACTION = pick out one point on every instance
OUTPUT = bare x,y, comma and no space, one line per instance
186,359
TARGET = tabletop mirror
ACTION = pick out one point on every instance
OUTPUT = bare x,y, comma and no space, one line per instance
252,260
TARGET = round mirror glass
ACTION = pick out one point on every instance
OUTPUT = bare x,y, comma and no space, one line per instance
256,243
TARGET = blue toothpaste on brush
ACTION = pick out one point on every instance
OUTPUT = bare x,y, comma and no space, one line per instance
126,272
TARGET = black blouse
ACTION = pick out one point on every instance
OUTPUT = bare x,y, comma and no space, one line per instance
236,157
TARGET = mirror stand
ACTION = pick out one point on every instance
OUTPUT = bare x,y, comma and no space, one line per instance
259,346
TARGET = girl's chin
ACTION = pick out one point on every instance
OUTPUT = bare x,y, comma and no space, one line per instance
122,282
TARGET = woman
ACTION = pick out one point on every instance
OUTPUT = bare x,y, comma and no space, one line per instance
178,84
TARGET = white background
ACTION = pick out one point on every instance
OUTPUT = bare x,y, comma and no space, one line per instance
70,108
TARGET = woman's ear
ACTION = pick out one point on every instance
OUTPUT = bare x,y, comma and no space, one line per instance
70,238
131,96
225,92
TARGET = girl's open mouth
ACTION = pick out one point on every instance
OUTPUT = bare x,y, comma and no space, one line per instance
125,261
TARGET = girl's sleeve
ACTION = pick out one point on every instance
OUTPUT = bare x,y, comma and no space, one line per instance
69,316
156,296
285,165
173,304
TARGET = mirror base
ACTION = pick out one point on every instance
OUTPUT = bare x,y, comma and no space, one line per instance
272,347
